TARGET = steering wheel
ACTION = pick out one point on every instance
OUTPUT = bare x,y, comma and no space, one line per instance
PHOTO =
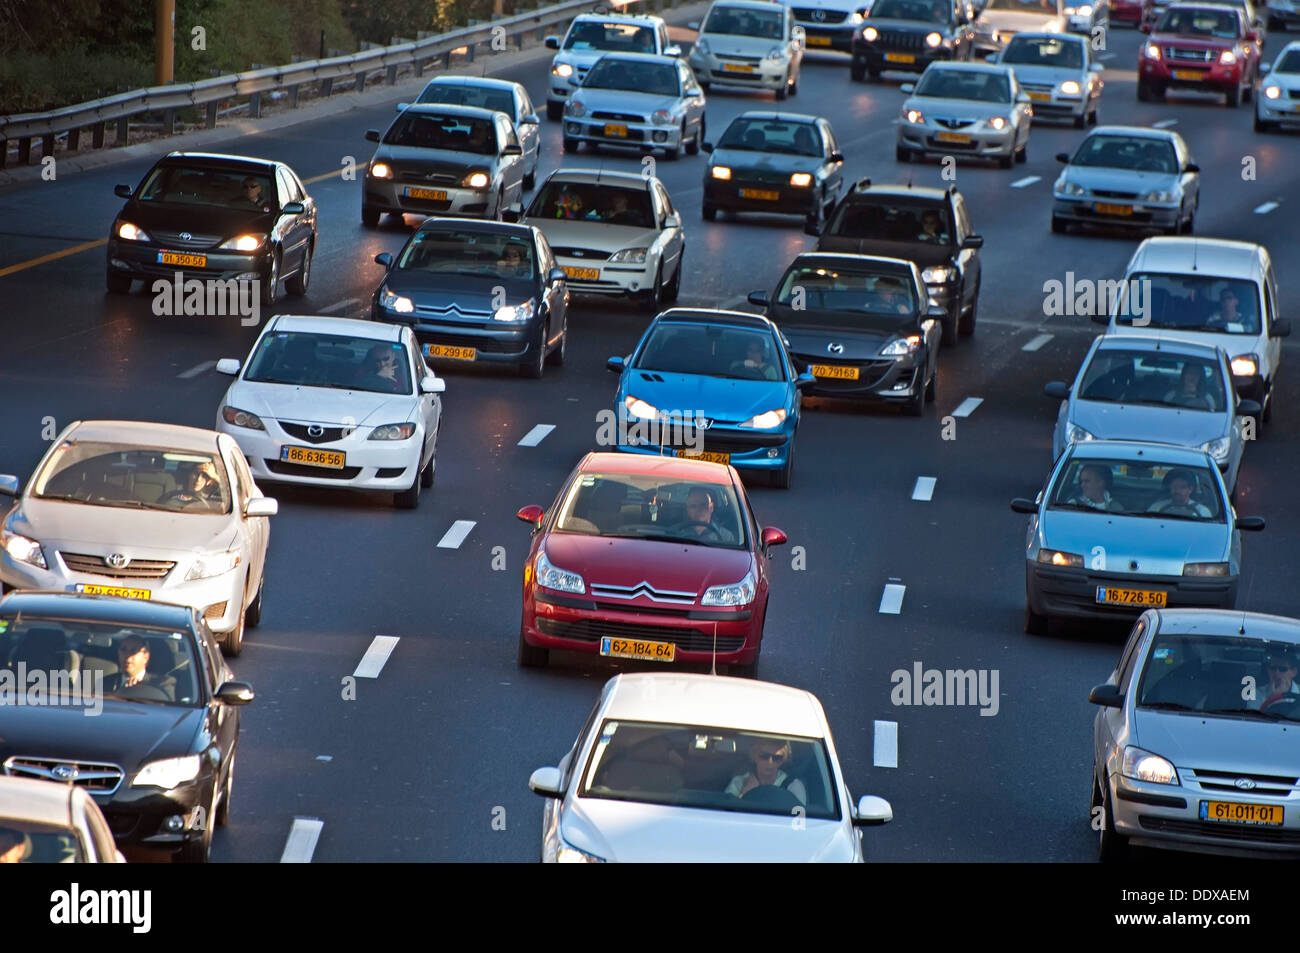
683,527
143,692
1280,703
771,795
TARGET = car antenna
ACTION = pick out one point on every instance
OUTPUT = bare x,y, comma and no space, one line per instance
1195,243
714,668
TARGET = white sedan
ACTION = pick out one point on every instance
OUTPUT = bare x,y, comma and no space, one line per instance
146,511
677,767
336,402
749,43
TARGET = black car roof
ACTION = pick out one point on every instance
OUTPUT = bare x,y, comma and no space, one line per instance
473,225
113,609
218,161
708,316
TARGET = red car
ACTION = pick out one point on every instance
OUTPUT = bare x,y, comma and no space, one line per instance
1202,46
653,558
1135,12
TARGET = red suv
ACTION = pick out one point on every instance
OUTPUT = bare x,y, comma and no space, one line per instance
1203,46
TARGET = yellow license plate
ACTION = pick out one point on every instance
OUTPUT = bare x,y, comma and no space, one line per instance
759,194
614,130
1188,74
1040,97
631,648
330,459
952,137
737,68
428,195
835,372
1132,597
450,351
591,274
818,40
708,456
899,58
1106,209
1230,812
114,591
185,261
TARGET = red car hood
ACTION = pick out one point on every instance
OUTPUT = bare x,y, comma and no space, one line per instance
679,567
1192,42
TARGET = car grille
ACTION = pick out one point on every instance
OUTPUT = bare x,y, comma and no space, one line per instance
328,434
954,123
618,117
740,443
1235,832
302,470
135,569
1037,88
174,239
486,345
1266,784
432,178
587,254
1107,194
751,60
593,630
731,76
95,776
819,16
744,177
451,311
1190,56
644,589
901,40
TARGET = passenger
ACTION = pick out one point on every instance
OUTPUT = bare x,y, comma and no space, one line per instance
379,371
201,487
931,228
1191,391
511,264
133,669
755,363
1180,484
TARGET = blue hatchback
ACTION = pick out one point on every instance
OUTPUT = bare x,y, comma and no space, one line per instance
713,384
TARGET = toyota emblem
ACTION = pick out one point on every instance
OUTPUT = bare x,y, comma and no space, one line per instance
117,560
65,772
186,236
315,430
835,348
819,15
1245,784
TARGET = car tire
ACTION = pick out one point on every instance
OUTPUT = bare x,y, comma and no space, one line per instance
1260,126
914,406
1059,225
1094,116
932,386
570,144
1035,624
652,300
427,475
1081,120
708,213
1112,846
253,614
535,367
1267,402
1022,154
675,152
409,498
271,281
1232,98
675,286
784,91
1248,94
199,851
1144,92
693,147
903,154
557,356
782,478
369,216
297,285
966,324
221,816
554,111
873,75
531,656
232,642
118,284
857,71
814,223
1006,161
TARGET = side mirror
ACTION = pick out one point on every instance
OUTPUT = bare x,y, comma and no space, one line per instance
1145,28
532,514
9,485
837,157
385,259
872,812
293,208
1281,328
1022,505
757,297
672,221
706,146
673,50
1097,68
429,384
512,150
1107,695
1063,157
401,106
805,380
261,506
555,274
973,241
1191,167
773,537
546,782
694,25
372,135
1249,408
1251,524
616,364
552,42
907,88
228,366
122,191
1264,68
1057,389
234,693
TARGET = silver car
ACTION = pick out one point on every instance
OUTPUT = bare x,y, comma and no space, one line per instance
753,43
1086,17
497,94
1154,389
589,37
1058,73
1123,526
1129,176
965,109
457,161
638,100
1278,101
1193,744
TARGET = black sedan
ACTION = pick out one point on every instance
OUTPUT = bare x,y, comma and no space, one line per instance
862,325
159,755
477,291
228,218
775,162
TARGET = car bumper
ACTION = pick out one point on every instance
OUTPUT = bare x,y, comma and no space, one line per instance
138,817
744,449
1280,110
760,74
141,260
786,199
1143,215
637,135
508,344
877,59
985,143
891,380
1079,24
1072,593
585,276
819,36
367,464
559,90
385,196
1058,107
1215,79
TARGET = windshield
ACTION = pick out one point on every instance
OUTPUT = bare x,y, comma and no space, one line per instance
659,79
1156,491
978,85
331,360
26,842
926,11
818,287
1139,153
1288,62
1217,23
482,97
144,478
892,222
613,37
182,185
636,506
712,350
1153,377
767,135
719,769
81,663
1043,51
593,202
453,133
1192,303
743,21
468,253
1221,674
1045,7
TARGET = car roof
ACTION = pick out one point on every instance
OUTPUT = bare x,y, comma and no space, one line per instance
1157,453
597,176
776,115
145,433
42,802
1138,132
1215,257
867,188
312,324
481,81
475,224
830,257
674,468
1258,625
217,158
640,19
748,4
717,316
116,610
710,700
451,109
1157,342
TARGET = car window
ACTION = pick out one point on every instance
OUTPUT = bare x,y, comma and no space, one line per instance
1060,52
145,478
856,291
650,507
1125,667
665,203
612,37
1022,6
977,85
190,185
1198,302
286,190
893,221
714,350
422,130
638,76
1139,153
339,361
926,11
1288,62
743,21
593,202
1151,490
1202,22
481,97
492,255
771,135
40,843
1159,378
1226,674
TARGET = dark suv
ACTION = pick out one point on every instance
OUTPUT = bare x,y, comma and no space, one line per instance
909,35
930,227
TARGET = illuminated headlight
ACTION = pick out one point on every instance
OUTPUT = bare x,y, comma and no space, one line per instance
1145,766
636,407
568,854
737,594
775,54
392,432
23,549
381,170
1158,195
1084,11
205,567
661,117
241,418
933,39
244,243
514,312
168,773
1071,188
635,256
562,69
131,233
766,420
1270,92
1151,51
913,116
1245,365
720,172
1218,449
901,346
854,18
477,180
398,303
801,179
1227,58
1205,569
870,34
998,122
939,274
1071,87
1054,558
561,580
576,107
1074,433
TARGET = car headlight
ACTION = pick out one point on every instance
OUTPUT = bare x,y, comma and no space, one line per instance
1145,766
1270,92
205,567
561,580
1071,87
477,180
243,243
1071,188
1218,449
576,107
563,70
514,312
1245,365
854,18
913,116
939,274
398,303
1074,433
870,34
1151,51
661,117
702,45
131,233
23,549
766,420
241,418
1158,195
998,122
392,432
381,170
901,346
635,256
801,179
737,594
720,172
168,773
1084,11
1055,558
775,54
636,407
1205,569
933,39
1227,58
568,854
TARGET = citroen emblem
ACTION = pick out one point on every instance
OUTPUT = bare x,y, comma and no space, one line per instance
835,348
1245,784
315,430
186,236
65,772
117,560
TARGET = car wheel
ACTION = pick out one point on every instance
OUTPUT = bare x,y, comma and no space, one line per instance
1260,126
782,478
1144,92
708,212
1232,98
675,286
271,281
570,144
873,75
1093,117
815,222
409,498
902,154
1058,225
530,656
674,153
1035,624
253,614
915,405
118,284
536,365
1081,120
555,111
221,816
932,387
1267,414
232,642
556,357
1022,154
966,325
199,851
297,285
857,71
693,147
369,216
654,296
1005,162
784,89
1248,94
1112,846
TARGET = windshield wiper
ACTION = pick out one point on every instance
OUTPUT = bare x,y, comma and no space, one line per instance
1168,706
1266,715
661,537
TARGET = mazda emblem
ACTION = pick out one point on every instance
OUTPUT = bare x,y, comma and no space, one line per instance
65,772
186,236
1245,784
117,560
835,348
315,430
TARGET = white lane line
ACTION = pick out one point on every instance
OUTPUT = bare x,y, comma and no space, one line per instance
372,663
536,435
196,370
1105,56
1164,124
1265,208
302,840
891,600
1026,181
924,489
340,305
967,406
886,744
456,535
1037,342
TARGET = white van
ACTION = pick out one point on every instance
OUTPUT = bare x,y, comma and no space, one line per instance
1211,290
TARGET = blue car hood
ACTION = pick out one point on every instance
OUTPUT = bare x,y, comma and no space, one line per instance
725,400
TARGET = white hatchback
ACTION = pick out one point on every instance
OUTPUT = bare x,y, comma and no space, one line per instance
679,767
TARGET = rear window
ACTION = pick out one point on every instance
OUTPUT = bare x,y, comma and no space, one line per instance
892,222
480,97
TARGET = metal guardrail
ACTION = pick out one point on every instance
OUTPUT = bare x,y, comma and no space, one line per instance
209,93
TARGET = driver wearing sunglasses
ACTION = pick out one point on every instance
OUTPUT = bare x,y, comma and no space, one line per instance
1280,671
769,756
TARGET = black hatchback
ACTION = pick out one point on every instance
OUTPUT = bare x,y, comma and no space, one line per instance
215,217
158,755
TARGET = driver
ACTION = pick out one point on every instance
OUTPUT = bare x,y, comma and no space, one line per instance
201,486
133,669
755,363
1190,391
768,754
699,516
1179,502
1280,670
15,846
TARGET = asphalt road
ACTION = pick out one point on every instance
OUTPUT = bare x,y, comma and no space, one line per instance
420,764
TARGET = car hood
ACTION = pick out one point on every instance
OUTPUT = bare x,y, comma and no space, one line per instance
146,534
1218,743
744,159
1048,75
124,733
1234,344
319,405
923,253
212,220
810,341
625,100
1160,546
956,108
723,399
1017,21
632,832
408,157
1195,42
734,44
1121,180
467,292
922,27
680,567
1172,425
566,233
